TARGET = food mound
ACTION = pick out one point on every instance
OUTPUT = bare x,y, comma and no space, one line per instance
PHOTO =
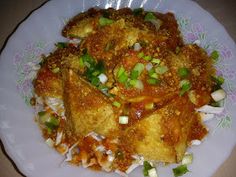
124,89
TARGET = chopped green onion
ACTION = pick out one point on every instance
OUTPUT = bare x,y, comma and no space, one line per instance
120,71
215,55
123,119
151,71
52,122
146,166
43,116
81,62
140,55
87,58
137,70
105,21
153,81
116,104
153,75
218,104
149,106
185,86
132,82
187,159
41,113
147,58
157,61
134,74
218,80
123,77
137,11
161,69
95,81
183,72
139,67
180,170
61,45
149,16
136,83
96,73
56,70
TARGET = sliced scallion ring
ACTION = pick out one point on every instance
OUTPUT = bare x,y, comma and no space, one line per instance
183,72
105,21
161,69
149,16
187,159
123,120
116,104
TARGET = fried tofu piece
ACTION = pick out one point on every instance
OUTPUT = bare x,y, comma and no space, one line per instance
200,68
83,28
48,84
109,40
82,25
163,136
146,138
87,109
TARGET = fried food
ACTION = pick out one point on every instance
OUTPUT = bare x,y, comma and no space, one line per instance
130,87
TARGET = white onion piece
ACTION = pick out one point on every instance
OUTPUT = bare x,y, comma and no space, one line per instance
137,47
56,104
139,159
187,159
59,138
139,84
195,142
123,120
110,158
157,23
100,148
198,42
109,152
49,142
210,109
69,153
149,66
121,173
75,41
132,167
218,95
152,172
95,136
103,78
205,117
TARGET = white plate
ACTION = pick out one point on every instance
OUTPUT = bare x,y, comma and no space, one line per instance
36,35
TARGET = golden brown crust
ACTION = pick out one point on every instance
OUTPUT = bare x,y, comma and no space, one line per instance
159,132
87,109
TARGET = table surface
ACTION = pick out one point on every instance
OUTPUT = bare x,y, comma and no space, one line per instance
14,11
